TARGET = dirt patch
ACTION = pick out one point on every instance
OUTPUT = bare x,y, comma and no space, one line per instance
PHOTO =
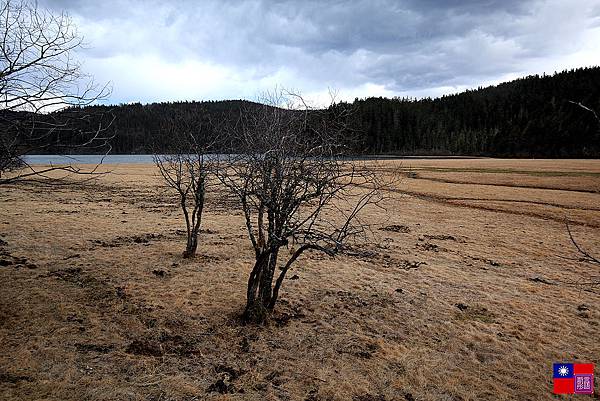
442,237
429,247
359,348
96,348
384,258
396,228
8,260
369,397
163,344
72,275
540,280
14,379
476,312
128,240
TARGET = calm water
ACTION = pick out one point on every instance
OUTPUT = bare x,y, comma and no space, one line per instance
145,159
97,159
88,159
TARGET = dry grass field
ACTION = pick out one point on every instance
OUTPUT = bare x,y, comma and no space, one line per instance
467,292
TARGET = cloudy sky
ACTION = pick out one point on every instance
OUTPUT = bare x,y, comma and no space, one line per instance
222,49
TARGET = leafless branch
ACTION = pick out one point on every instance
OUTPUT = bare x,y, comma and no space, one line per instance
186,171
592,280
296,187
586,255
42,93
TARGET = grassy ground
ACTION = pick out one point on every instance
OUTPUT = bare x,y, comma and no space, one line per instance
465,293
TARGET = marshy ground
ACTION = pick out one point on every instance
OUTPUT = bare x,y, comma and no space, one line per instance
467,291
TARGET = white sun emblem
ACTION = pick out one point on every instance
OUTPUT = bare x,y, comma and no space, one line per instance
563,371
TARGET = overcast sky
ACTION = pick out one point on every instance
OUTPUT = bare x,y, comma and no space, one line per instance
228,49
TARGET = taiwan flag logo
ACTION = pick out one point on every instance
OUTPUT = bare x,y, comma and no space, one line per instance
573,378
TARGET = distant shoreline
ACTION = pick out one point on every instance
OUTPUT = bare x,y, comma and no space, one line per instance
147,159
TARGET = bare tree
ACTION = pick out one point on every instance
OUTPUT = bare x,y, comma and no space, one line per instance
295,188
186,170
42,89
593,280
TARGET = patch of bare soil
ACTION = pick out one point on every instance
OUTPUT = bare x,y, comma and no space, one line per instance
467,290
128,240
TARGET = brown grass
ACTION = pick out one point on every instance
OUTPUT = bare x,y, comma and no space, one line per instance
461,296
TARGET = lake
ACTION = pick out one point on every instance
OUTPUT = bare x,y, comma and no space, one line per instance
147,159
89,159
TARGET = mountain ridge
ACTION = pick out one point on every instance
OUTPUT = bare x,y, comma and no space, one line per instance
532,116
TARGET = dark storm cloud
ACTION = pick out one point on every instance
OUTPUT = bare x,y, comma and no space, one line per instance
416,47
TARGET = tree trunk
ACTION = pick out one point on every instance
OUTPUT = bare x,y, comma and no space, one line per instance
192,245
266,285
260,288
193,224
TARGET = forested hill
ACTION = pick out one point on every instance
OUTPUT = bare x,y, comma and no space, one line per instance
528,117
